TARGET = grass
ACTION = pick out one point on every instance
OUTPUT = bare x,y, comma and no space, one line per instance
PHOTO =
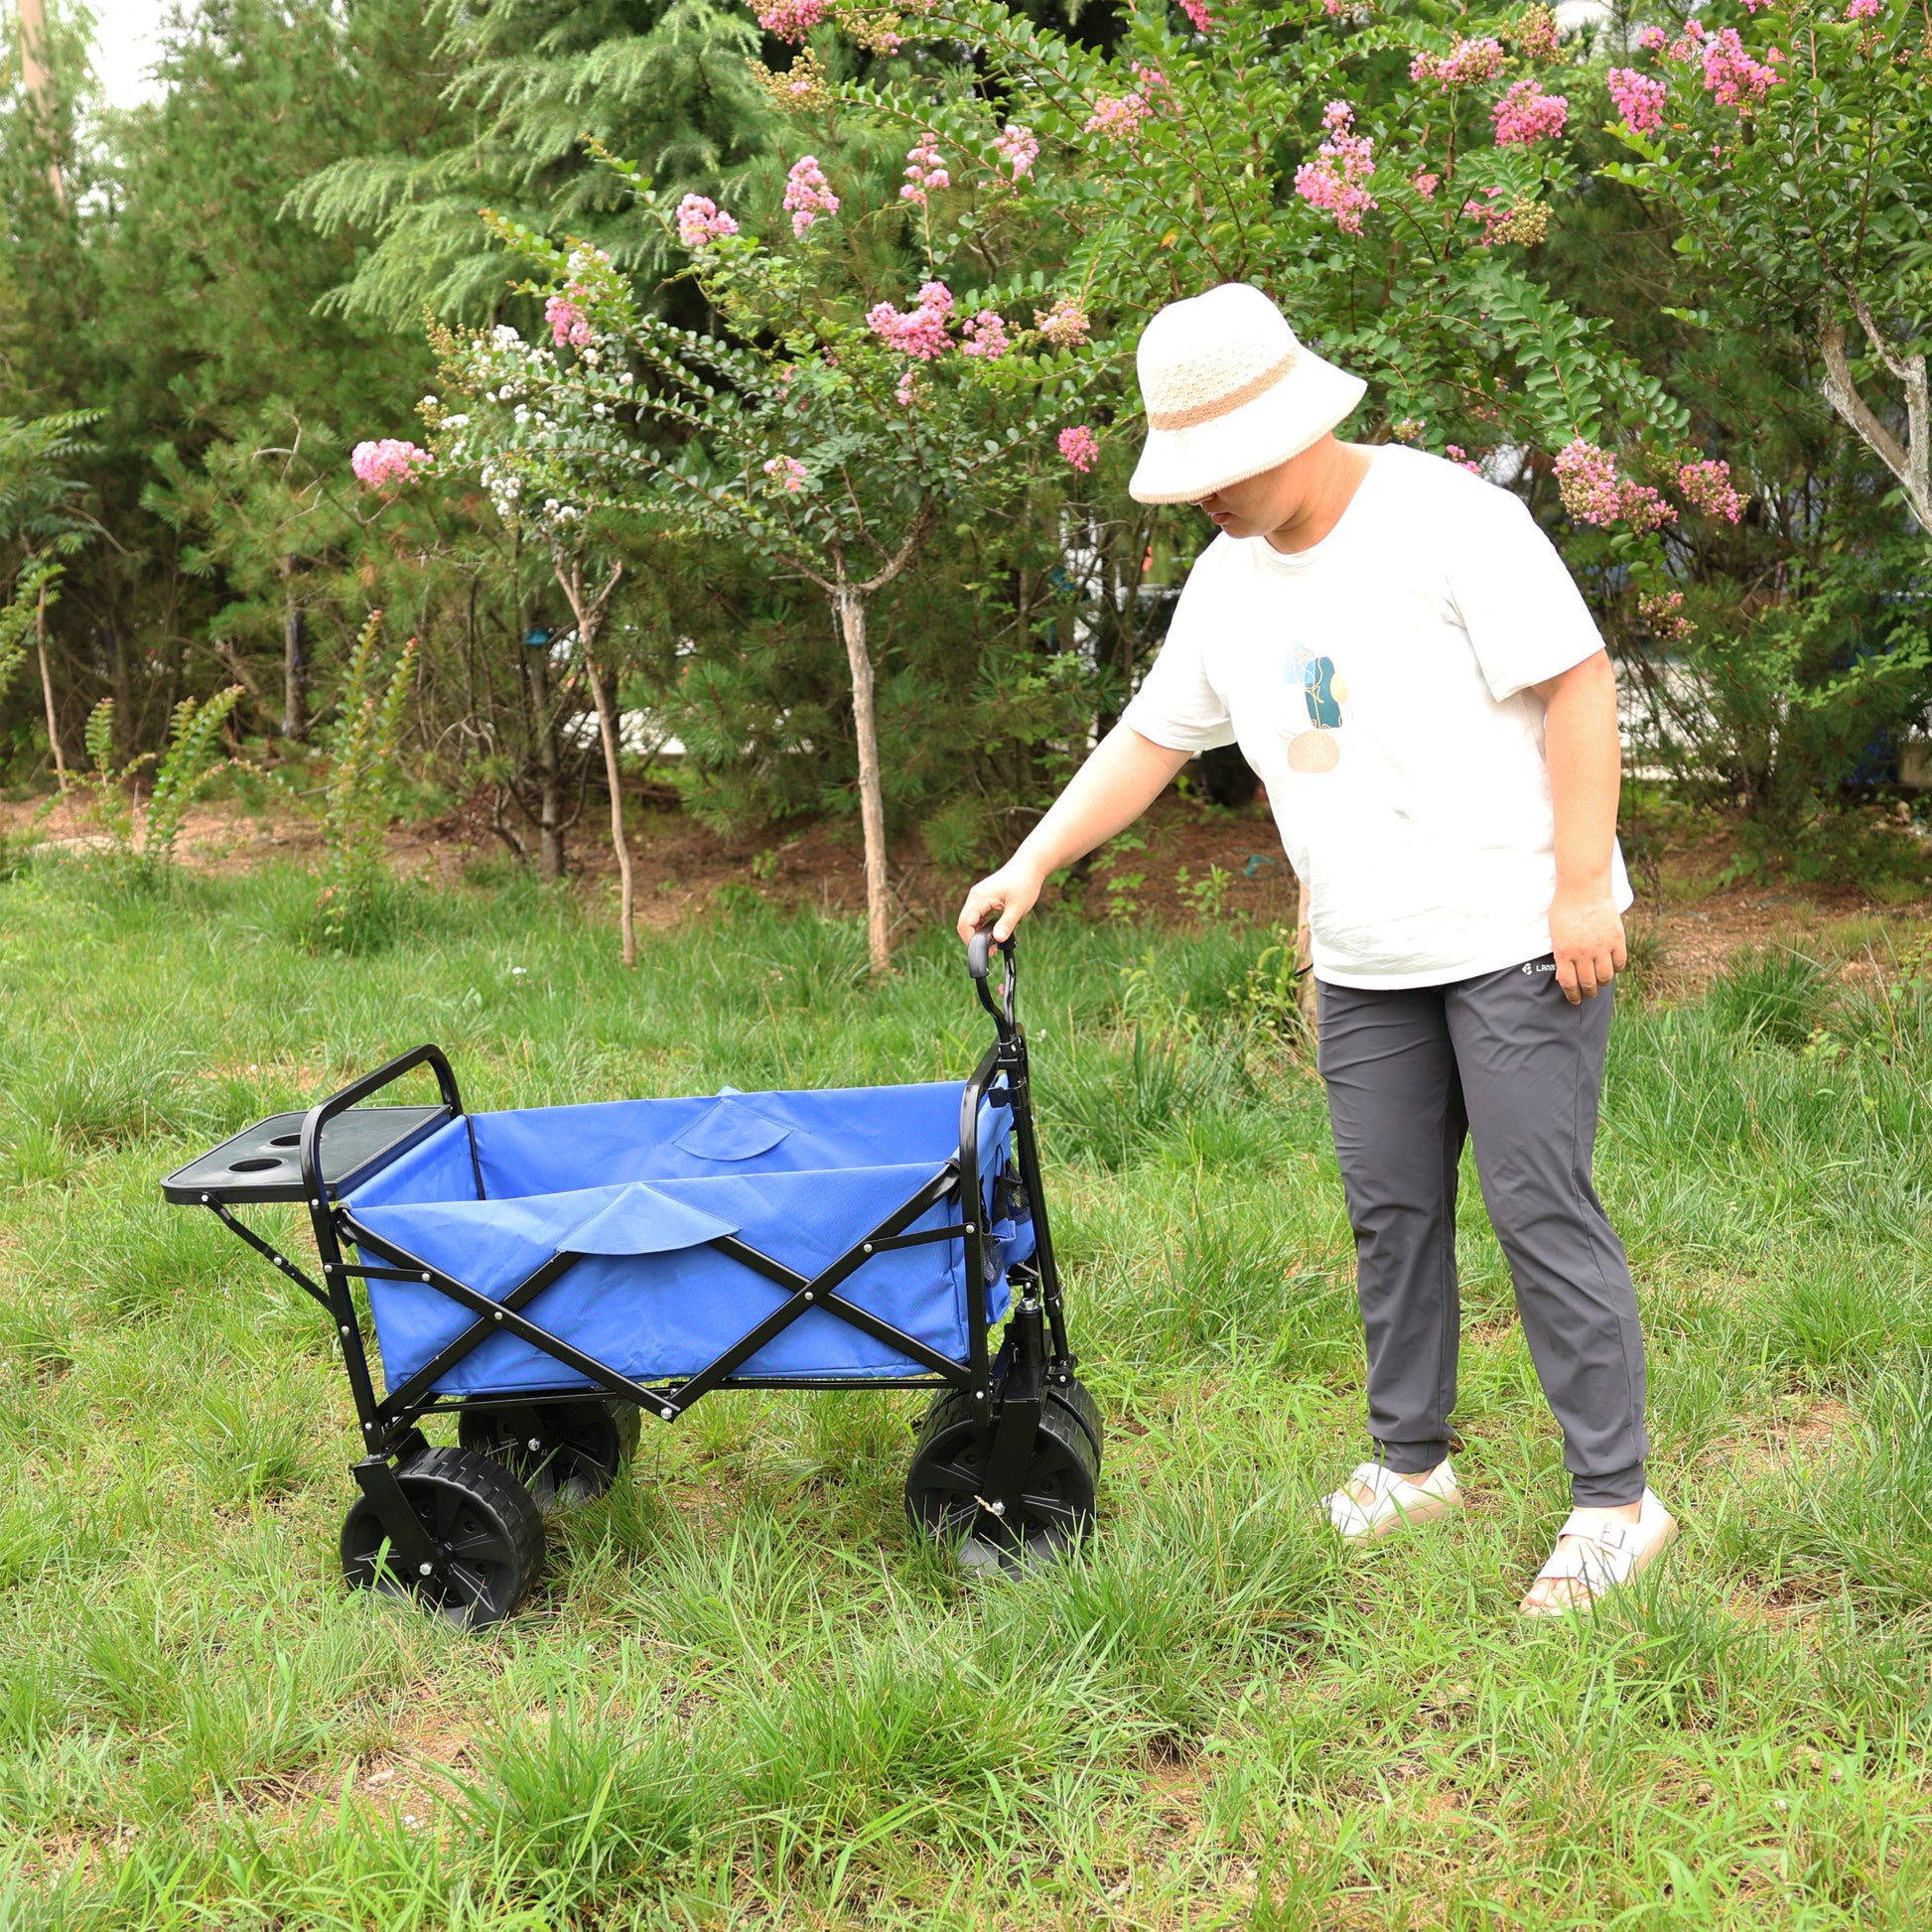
744,1696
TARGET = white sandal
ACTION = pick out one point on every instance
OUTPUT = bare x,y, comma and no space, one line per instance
1604,1555
1397,1503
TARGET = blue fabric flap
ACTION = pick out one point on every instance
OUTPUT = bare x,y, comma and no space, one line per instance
641,1221
731,1131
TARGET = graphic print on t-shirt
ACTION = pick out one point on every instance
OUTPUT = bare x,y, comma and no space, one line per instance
1324,690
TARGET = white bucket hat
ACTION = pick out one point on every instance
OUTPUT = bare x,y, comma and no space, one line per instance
1229,393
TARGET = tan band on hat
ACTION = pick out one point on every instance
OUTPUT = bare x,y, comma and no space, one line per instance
1212,412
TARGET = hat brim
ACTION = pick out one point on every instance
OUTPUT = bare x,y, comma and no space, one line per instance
1182,466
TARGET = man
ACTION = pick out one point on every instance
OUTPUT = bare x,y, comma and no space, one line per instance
1402,656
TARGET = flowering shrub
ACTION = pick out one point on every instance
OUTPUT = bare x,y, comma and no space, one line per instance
1333,179
1202,21
1733,77
986,335
1526,115
787,472
918,332
1119,117
387,465
1019,147
808,195
1592,491
1523,222
1080,447
1707,487
1639,98
1663,614
925,171
1066,325
570,328
700,221
1465,65
793,20
1537,38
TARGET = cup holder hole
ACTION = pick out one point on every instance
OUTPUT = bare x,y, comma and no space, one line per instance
286,1140
254,1166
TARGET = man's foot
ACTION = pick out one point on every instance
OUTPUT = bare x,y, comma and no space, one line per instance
1375,1500
1598,1550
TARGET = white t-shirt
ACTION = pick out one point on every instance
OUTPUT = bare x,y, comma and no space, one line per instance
1378,683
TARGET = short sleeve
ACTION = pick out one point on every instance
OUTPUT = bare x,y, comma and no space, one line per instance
1522,609
1175,704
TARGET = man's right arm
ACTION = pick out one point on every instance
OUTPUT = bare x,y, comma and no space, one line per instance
1125,776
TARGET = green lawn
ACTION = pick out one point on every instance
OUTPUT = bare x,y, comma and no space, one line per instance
744,1696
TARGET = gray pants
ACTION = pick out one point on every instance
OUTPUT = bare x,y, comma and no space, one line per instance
1504,1058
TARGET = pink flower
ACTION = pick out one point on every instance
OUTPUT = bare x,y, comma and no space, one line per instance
986,335
787,474
1196,11
793,20
1457,454
808,195
1333,179
1732,77
1066,325
1526,115
908,392
1465,64
700,221
1643,508
1652,37
1080,447
1664,614
924,170
1639,99
569,326
1707,487
922,331
1593,492
1865,9
387,465
1118,118
1426,186
1019,147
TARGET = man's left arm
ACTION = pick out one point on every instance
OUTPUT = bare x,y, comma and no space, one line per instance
1585,761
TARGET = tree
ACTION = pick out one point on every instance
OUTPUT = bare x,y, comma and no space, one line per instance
1803,180
42,513
821,439
525,84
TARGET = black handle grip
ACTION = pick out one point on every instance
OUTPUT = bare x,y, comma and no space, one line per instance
979,963
320,1116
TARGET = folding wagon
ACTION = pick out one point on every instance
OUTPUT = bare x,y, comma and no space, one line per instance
552,1275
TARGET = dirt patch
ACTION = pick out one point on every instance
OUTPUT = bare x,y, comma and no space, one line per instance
1192,863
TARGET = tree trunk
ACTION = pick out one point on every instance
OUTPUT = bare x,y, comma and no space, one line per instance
607,730
550,766
295,676
37,81
589,612
1911,461
850,605
47,690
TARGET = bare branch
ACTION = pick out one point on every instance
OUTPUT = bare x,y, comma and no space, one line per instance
1911,462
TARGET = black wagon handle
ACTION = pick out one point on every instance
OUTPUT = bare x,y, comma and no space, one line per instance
979,962
319,1116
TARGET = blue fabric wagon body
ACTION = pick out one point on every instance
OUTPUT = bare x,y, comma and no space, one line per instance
639,1188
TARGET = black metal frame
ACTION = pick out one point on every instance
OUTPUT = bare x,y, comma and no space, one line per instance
1011,1384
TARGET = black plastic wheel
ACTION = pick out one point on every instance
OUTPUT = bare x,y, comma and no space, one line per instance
1075,1397
944,1486
561,1452
488,1532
